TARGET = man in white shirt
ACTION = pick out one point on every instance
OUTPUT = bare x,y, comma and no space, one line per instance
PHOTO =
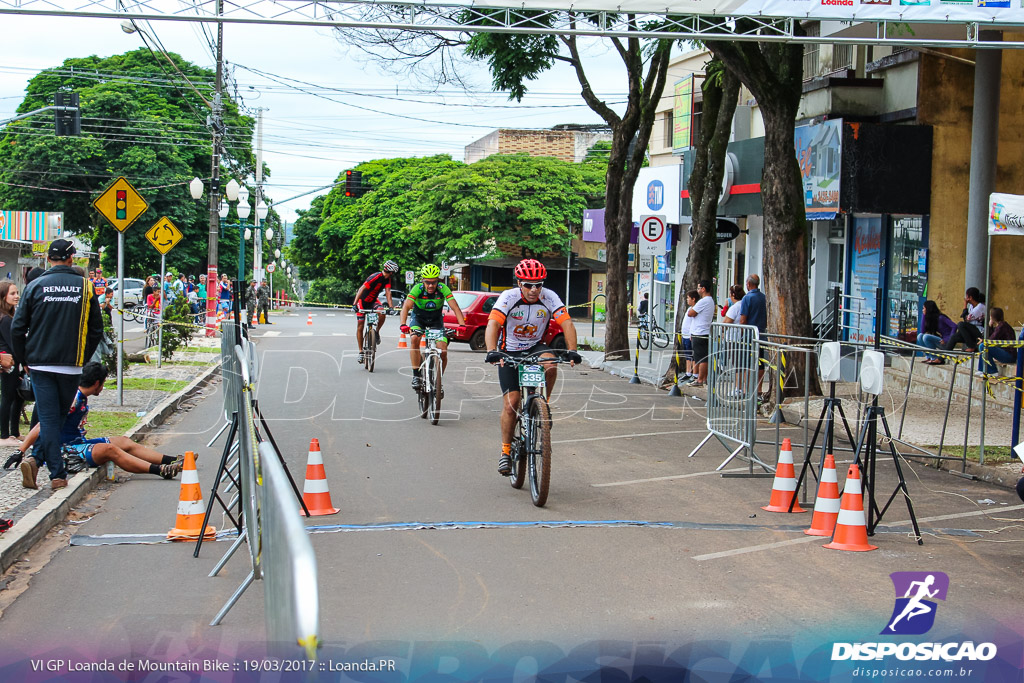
703,312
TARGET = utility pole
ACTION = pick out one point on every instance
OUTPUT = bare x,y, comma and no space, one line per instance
257,238
212,289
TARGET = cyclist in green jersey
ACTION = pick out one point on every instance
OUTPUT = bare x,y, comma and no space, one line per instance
423,309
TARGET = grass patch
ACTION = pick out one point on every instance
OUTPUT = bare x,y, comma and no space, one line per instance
201,349
110,423
149,384
994,455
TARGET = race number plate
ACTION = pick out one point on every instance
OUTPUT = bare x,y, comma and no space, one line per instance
435,335
531,376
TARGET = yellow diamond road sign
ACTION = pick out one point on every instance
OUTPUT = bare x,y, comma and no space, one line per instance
164,235
121,204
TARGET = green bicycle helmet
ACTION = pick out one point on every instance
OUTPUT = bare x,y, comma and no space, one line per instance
430,271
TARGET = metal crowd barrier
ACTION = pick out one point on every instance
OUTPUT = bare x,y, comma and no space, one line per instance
732,391
291,600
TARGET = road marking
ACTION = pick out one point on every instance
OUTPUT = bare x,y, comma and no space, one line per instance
666,478
305,334
779,544
272,333
331,315
339,334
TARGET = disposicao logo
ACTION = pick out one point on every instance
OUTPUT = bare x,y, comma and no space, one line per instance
914,614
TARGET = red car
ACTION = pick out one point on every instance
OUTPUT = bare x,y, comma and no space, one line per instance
476,306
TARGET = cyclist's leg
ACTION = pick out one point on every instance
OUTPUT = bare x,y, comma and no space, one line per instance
360,318
550,369
381,317
508,380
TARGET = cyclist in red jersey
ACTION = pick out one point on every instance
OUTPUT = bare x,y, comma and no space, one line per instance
366,300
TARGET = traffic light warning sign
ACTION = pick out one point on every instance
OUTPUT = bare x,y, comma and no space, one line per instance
121,204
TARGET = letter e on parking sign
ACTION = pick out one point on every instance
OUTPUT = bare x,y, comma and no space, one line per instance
652,235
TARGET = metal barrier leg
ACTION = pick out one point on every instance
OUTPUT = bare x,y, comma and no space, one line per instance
700,445
217,435
233,599
231,551
731,456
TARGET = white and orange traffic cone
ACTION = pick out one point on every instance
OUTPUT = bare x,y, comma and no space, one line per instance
189,523
255,321
851,525
315,494
423,342
784,486
826,504
402,343
309,319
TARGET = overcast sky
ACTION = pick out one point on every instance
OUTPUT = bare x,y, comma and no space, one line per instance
345,110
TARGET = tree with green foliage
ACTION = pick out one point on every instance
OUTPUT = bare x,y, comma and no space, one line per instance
515,60
140,120
507,205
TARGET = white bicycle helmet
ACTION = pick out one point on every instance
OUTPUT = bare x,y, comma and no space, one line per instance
390,267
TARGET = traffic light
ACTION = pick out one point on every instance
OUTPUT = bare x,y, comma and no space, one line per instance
354,184
67,122
121,205
574,260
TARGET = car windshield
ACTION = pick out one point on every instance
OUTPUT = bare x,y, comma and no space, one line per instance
464,299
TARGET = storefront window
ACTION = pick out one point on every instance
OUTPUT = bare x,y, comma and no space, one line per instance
904,297
865,266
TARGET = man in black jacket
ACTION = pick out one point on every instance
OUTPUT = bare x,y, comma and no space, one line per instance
56,330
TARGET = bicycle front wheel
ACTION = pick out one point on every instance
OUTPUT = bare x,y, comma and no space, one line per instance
539,450
434,407
369,349
659,337
643,338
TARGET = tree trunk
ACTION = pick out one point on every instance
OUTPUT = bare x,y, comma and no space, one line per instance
774,75
721,94
633,129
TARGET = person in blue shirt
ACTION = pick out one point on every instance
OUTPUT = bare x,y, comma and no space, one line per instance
754,311
125,453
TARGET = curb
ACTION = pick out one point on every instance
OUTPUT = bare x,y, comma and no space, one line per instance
31,528
990,475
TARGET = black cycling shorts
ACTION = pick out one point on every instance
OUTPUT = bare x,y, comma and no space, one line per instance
508,374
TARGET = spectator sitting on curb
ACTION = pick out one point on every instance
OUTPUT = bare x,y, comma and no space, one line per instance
124,452
998,330
937,328
970,330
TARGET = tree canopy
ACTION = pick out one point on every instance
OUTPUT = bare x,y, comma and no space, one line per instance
422,210
142,120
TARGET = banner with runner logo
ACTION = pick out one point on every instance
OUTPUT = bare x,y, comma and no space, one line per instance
1006,214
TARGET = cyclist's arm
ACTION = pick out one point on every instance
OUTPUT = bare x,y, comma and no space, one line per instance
387,295
454,305
569,330
491,334
406,307
359,294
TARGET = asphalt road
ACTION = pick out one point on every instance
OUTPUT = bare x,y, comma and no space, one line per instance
619,457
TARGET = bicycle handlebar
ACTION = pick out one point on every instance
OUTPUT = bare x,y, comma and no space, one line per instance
533,358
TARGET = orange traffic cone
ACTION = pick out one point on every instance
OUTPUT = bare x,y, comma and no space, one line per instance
784,487
826,505
189,523
402,343
255,321
851,526
423,342
309,320
314,491
220,319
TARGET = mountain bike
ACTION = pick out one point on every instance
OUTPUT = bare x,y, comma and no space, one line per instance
531,439
429,393
650,331
370,336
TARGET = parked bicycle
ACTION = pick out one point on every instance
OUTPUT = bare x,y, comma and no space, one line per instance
650,331
531,440
431,370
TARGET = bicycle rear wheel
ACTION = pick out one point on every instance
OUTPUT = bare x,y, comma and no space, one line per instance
434,401
538,449
659,337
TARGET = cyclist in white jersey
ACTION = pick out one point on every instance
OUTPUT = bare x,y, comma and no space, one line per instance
516,325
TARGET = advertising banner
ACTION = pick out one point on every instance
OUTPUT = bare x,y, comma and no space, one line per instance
819,151
31,226
1006,214
682,114
865,262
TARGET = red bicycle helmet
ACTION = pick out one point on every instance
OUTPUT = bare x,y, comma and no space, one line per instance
530,269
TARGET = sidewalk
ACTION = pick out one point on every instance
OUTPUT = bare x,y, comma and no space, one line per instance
36,511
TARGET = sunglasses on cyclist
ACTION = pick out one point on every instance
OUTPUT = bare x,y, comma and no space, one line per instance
531,285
